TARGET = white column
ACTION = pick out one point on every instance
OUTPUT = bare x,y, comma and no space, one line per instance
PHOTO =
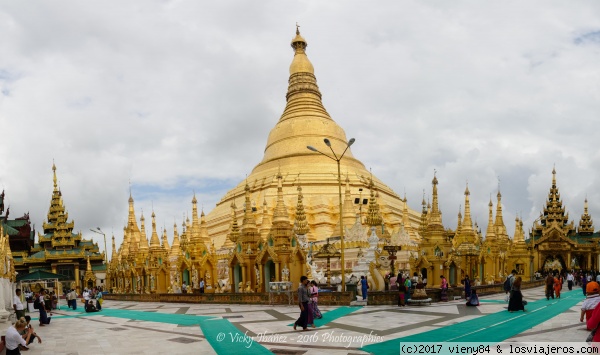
5,287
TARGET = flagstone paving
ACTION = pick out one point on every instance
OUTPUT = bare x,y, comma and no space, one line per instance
172,328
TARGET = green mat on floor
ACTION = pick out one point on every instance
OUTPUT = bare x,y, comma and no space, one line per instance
182,319
494,327
492,301
332,315
225,338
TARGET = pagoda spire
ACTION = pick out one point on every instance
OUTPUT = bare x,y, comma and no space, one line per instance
165,242
349,213
519,235
300,225
154,241
499,224
467,224
373,216
114,256
457,240
406,218
204,238
490,233
248,223
175,250
280,214
234,230
194,231
304,109
125,244
586,225
554,213
54,178
143,240
435,217
132,230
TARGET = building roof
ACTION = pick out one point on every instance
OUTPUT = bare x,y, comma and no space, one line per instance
40,275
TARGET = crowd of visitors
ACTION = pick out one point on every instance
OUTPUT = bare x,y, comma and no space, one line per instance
21,333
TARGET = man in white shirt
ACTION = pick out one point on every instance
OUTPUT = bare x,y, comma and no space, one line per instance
570,279
73,294
18,305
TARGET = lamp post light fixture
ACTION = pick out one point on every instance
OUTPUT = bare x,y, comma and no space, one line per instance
99,231
337,160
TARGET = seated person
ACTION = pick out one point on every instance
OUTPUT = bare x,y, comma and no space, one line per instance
33,334
91,305
592,298
14,341
474,300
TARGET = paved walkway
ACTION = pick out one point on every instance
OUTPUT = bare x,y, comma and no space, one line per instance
171,328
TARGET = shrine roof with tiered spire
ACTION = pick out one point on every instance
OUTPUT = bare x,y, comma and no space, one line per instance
555,215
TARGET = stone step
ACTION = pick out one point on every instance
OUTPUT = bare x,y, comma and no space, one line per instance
359,303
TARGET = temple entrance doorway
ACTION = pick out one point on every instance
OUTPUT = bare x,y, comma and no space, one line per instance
452,275
186,276
237,277
269,272
554,263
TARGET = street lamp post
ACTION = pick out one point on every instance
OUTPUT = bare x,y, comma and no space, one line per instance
99,231
337,160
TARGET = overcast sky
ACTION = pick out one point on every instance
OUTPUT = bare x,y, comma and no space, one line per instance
172,97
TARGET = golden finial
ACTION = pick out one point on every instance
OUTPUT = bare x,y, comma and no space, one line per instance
54,172
297,28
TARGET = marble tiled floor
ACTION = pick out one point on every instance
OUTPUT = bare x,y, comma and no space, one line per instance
100,334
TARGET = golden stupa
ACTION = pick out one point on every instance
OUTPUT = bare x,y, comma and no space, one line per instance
305,122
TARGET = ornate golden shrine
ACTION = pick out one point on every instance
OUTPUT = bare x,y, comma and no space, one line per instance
272,242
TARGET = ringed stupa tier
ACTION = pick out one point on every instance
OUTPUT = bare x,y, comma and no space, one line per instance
305,122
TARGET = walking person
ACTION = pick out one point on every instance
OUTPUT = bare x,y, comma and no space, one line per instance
570,279
401,295
444,289
44,319
202,285
364,286
408,286
515,302
303,303
99,299
550,286
68,298
557,286
314,296
74,299
18,305
310,321
508,284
